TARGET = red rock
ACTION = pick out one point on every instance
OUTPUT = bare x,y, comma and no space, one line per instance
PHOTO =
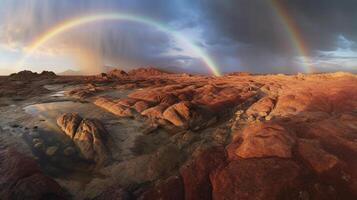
195,174
265,140
113,107
179,114
127,102
267,179
155,112
21,178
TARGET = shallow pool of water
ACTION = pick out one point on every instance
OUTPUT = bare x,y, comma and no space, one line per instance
49,112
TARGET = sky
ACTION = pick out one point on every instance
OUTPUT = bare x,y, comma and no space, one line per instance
257,36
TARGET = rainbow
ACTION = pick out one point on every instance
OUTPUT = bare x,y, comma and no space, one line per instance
292,30
71,23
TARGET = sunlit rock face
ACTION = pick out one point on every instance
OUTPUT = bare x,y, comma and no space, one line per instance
88,135
173,136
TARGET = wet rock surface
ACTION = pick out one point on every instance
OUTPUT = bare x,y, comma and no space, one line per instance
149,134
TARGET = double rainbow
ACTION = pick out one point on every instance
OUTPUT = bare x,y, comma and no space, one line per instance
72,23
288,23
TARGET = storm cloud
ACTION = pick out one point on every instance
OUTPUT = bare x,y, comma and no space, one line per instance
239,35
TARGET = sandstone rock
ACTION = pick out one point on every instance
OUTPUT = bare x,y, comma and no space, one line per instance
315,156
155,112
267,179
195,174
90,138
69,123
113,107
178,114
21,178
265,140
127,102
169,99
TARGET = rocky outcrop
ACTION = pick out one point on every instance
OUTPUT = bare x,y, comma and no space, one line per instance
89,135
114,107
117,73
265,140
69,123
145,72
29,75
21,178
179,114
91,138
155,112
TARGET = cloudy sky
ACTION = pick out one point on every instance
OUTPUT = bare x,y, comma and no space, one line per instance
258,36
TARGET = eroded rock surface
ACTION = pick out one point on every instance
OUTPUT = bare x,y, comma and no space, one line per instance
21,178
181,136
89,136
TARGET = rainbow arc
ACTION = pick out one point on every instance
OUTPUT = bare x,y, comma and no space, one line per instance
72,23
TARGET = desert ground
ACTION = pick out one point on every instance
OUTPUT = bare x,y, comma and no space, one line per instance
149,134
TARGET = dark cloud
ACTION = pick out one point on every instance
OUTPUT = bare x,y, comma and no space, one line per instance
245,35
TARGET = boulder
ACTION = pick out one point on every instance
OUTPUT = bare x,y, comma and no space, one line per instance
21,178
89,135
265,140
90,139
69,123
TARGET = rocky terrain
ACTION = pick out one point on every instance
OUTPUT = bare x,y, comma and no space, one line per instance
150,134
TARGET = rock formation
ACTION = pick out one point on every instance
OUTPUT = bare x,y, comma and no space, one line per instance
21,178
88,135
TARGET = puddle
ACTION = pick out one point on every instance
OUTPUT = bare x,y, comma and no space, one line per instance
58,94
123,131
51,111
